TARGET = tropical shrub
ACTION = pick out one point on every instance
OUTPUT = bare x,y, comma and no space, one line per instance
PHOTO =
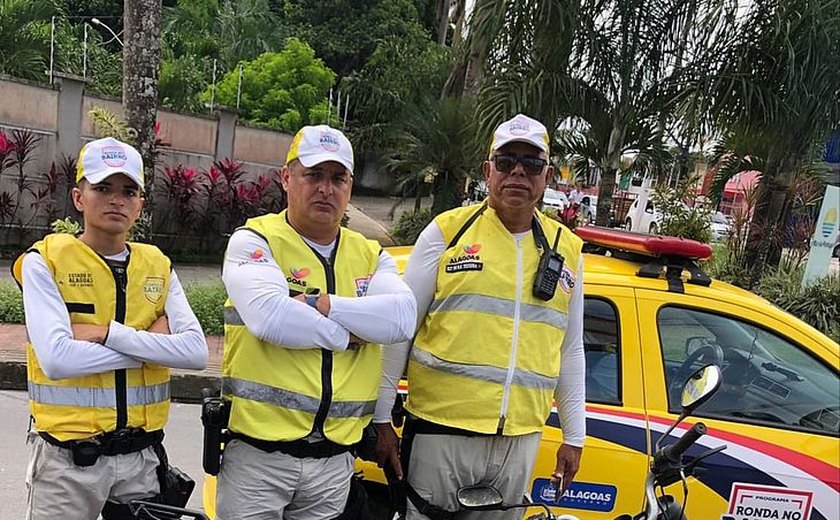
410,224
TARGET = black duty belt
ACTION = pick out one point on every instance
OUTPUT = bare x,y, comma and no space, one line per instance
300,449
112,443
421,426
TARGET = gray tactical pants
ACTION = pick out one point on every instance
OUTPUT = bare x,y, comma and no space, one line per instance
58,488
441,464
256,485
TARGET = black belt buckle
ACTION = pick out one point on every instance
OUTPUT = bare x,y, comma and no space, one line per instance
118,442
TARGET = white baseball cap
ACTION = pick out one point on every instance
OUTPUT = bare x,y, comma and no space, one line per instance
102,158
520,129
321,143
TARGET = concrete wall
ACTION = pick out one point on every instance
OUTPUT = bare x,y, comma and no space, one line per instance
59,116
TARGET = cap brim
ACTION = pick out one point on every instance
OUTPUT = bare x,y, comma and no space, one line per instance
313,160
96,178
536,144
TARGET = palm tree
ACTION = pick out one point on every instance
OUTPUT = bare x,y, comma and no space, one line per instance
776,84
25,37
437,144
609,62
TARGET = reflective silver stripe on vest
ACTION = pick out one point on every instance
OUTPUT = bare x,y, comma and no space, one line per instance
498,375
501,307
232,317
96,397
292,400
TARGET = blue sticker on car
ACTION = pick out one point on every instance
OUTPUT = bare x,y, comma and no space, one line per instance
580,495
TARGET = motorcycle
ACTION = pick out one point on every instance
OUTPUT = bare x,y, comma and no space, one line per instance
666,468
144,510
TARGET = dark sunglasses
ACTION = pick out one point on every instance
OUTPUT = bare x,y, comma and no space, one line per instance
531,165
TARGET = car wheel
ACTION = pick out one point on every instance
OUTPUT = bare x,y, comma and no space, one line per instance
836,252
653,229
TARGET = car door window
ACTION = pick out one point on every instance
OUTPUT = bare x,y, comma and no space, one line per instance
767,379
601,345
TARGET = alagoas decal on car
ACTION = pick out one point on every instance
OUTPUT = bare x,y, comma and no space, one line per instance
588,496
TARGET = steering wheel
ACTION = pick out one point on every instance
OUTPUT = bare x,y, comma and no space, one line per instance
708,352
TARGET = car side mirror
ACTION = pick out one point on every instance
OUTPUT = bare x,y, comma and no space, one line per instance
699,387
479,497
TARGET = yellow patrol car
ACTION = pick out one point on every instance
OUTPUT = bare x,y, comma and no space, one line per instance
651,318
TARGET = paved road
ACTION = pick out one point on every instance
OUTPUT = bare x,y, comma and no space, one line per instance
183,443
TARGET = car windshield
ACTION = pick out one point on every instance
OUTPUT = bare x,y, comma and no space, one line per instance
554,195
719,218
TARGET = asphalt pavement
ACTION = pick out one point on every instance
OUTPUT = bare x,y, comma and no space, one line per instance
183,444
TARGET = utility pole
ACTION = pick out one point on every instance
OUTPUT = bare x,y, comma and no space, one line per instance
141,65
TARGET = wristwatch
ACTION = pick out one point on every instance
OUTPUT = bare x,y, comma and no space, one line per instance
312,300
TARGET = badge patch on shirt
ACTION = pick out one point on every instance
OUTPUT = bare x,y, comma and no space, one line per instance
153,288
567,279
470,260
257,255
80,279
362,285
298,276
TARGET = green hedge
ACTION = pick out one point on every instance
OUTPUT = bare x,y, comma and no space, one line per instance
206,301
11,303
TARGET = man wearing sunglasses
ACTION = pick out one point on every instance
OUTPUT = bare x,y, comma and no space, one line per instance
500,319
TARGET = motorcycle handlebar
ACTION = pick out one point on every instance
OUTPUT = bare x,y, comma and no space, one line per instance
674,452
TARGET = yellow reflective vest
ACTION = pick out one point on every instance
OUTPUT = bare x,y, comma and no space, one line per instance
487,355
82,407
284,394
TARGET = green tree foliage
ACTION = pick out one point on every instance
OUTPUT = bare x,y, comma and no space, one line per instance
438,145
198,33
610,63
182,80
775,85
25,37
283,90
99,63
678,219
344,33
401,72
229,31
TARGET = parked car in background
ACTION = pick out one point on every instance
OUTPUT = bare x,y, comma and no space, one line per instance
645,222
553,199
589,208
720,226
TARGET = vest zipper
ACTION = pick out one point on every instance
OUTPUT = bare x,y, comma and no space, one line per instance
326,355
121,282
515,340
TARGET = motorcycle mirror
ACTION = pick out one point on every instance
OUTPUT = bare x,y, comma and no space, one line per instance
699,387
479,497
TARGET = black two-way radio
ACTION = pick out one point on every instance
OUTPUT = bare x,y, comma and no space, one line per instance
550,268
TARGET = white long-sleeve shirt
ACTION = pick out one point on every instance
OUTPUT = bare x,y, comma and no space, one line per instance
260,293
421,277
61,356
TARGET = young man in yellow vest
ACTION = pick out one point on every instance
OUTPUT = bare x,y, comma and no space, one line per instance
500,305
309,301
99,311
